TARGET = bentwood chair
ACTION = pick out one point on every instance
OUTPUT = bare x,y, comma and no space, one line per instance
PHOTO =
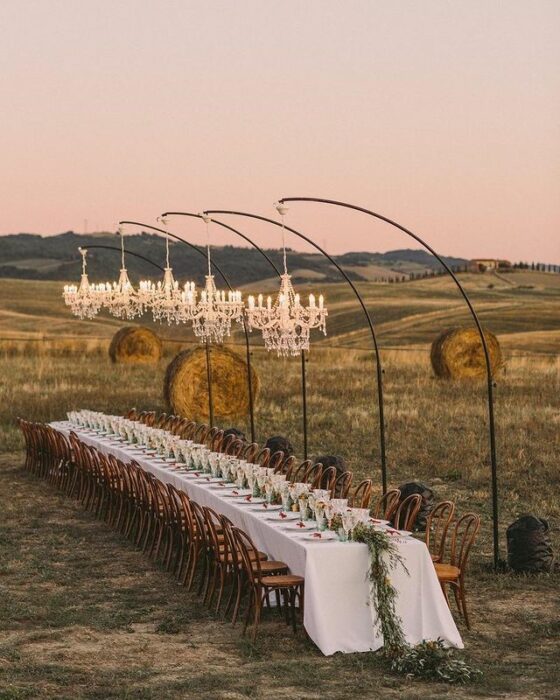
194,544
342,485
231,557
453,574
235,448
387,505
407,511
296,473
262,458
200,433
314,476
362,494
187,430
260,584
249,453
284,465
221,557
328,479
131,414
437,525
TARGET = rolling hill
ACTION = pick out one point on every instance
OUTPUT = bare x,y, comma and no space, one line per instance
525,315
27,256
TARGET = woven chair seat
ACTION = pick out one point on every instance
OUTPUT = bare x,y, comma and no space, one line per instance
282,581
447,572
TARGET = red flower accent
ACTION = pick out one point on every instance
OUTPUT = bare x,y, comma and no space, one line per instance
283,515
317,535
300,524
235,493
265,505
248,499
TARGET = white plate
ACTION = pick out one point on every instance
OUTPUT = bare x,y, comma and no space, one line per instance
324,538
252,502
298,528
289,517
264,507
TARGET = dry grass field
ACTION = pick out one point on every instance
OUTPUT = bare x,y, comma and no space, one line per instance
83,615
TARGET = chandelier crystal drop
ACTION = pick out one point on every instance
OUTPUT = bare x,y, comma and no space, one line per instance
85,300
213,313
166,298
121,299
286,324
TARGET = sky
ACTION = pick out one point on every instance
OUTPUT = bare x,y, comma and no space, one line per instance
443,115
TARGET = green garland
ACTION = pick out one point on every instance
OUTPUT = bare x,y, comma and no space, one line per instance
384,558
431,660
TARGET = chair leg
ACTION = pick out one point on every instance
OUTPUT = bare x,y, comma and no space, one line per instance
257,617
464,605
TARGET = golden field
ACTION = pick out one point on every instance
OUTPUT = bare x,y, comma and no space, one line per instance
54,555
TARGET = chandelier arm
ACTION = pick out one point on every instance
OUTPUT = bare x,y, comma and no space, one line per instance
489,378
121,234
129,252
229,228
243,324
275,268
378,366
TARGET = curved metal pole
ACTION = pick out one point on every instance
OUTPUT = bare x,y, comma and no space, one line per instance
128,252
489,378
261,251
209,373
379,369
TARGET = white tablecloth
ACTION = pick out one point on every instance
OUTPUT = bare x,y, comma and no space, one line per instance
338,615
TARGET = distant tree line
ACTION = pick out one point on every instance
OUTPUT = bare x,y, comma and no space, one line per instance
537,266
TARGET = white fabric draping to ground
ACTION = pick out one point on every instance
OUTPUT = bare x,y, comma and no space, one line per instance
338,614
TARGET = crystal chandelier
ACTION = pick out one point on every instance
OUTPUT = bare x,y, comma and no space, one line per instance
212,315
286,323
121,299
84,300
166,299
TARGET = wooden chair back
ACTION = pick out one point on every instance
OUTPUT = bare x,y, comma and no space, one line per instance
297,472
464,534
387,505
361,496
342,485
437,525
407,511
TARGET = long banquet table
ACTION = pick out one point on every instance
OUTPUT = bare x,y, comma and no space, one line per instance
338,614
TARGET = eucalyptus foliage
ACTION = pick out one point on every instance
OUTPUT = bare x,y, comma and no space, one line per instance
430,659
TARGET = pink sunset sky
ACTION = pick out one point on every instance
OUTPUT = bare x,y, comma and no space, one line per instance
443,115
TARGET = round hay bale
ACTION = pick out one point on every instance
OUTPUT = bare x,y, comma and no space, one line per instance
133,344
185,386
457,353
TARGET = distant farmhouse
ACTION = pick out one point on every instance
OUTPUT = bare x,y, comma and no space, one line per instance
488,265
